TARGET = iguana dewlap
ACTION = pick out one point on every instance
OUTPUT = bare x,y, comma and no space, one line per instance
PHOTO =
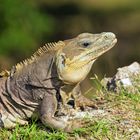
38,85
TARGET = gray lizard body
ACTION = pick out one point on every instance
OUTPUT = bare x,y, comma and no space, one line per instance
36,86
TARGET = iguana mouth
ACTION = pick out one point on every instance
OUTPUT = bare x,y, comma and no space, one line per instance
104,49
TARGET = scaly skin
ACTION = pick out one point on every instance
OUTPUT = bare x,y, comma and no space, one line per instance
51,77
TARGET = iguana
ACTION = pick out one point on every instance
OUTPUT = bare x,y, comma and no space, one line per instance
36,86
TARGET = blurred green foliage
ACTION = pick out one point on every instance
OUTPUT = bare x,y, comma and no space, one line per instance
22,25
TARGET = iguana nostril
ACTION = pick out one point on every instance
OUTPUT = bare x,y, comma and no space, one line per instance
109,35
106,37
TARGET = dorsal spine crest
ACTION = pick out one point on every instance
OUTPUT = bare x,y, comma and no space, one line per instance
41,51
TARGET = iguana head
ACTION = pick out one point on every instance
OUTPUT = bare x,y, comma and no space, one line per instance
77,55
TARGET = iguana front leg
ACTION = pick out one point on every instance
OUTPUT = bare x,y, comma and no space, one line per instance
47,111
80,100
47,115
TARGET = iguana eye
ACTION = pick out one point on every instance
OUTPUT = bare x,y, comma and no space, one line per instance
86,44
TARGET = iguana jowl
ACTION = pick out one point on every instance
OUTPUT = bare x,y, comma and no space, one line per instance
35,86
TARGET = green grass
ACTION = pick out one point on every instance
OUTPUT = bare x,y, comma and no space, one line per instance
31,132
120,121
